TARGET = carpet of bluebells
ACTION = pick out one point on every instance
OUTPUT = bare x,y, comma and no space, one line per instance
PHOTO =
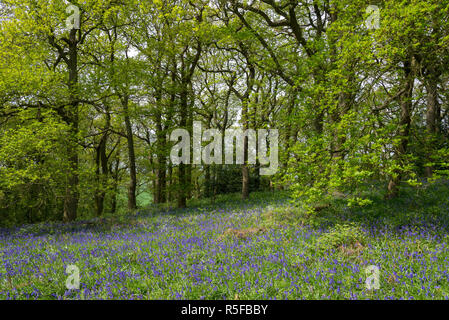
190,254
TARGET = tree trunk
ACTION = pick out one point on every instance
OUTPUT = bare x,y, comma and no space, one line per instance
433,115
246,122
186,82
132,204
115,175
207,182
161,184
406,105
182,175
245,168
72,118
170,183
101,162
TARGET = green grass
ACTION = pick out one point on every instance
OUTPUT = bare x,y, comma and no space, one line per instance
262,248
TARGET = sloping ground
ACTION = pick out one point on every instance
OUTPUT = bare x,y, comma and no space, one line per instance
237,251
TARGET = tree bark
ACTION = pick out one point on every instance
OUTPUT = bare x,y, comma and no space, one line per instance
433,115
132,203
406,104
72,118
115,174
161,184
186,82
246,121
182,176
101,162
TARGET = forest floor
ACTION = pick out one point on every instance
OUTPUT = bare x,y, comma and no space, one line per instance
264,248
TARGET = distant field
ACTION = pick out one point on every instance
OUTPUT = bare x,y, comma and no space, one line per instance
261,249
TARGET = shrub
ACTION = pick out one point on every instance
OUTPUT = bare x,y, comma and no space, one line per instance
282,216
342,236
